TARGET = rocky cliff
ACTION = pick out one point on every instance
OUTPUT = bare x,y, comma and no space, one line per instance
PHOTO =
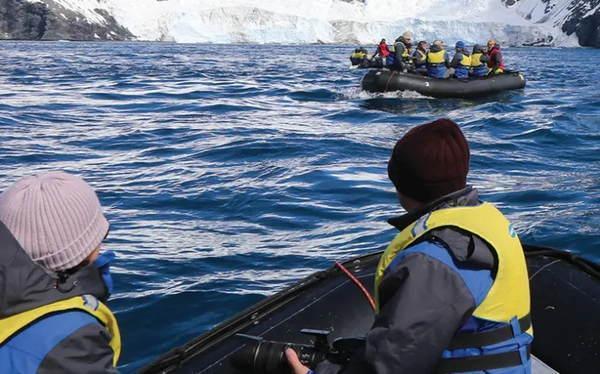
585,23
573,17
49,20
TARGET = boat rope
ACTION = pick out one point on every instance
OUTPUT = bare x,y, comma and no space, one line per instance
358,284
586,265
388,81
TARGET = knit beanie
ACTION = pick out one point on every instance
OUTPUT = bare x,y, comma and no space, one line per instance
56,217
430,161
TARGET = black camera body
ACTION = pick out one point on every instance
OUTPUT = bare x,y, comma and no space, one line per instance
268,357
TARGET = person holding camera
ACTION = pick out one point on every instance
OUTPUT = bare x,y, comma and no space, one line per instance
452,288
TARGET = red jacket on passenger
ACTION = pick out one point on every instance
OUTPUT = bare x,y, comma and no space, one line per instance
495,60
383,50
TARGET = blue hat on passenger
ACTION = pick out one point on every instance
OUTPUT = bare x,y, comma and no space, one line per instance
460,44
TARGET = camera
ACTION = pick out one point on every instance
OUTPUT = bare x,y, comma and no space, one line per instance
268,357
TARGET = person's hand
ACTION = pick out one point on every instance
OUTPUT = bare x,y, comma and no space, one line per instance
295,363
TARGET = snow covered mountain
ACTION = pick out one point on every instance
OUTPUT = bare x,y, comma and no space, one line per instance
513,22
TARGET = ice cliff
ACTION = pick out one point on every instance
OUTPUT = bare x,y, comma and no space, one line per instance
513,22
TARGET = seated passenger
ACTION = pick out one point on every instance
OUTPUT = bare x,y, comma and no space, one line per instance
402,47
390,61
438,60
461,62
479,62
419,57
382,52
451,289
495,61
54,280
359,56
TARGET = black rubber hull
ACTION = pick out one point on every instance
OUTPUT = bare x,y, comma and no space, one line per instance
383,80
365,64
565,310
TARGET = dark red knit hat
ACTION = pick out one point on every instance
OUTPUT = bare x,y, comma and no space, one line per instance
430,161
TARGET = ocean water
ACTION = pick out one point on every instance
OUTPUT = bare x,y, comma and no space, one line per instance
229,172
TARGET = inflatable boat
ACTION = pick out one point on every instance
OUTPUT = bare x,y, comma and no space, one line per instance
365,64
565,310
383,80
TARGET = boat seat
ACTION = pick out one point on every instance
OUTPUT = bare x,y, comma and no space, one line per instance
539,367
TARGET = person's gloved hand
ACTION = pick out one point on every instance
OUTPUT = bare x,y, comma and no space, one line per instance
295,363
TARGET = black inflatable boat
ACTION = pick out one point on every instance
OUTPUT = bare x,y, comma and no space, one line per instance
383,80
365,64
565,306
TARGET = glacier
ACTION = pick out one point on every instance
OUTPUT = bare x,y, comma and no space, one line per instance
512,22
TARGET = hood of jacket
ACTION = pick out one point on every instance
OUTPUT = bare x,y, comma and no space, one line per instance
466,197
494,48
435,48
25,285
464,246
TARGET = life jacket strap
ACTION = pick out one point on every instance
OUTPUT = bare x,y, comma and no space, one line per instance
481,339
484,362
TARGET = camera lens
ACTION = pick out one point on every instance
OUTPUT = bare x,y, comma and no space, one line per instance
268,357
262,358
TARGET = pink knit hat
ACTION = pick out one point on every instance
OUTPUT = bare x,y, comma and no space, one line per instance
56,217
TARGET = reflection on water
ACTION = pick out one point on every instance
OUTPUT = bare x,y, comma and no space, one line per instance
226,179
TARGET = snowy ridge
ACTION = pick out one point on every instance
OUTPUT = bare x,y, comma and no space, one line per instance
332,21
552,11
536,11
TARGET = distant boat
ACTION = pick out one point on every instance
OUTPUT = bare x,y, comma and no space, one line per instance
383,80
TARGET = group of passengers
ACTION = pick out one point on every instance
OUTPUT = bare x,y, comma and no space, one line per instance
434,60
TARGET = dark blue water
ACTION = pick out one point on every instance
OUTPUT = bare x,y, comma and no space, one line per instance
228,172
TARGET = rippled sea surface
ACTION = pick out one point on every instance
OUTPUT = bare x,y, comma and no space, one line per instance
229,172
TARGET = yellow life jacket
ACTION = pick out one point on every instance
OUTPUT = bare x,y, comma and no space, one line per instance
405,53
465,61
436,57
360,55
420,56
13,324
509,295
476,59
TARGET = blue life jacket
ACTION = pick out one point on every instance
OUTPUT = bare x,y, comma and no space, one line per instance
478,68
436,63
461,71
390,59
479,283
437,71
63,326
25,352
480,71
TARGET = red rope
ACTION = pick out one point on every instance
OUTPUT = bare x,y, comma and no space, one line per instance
358,283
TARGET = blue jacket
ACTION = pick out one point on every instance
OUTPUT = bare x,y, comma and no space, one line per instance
66,342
